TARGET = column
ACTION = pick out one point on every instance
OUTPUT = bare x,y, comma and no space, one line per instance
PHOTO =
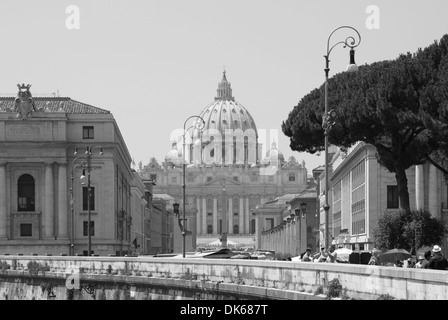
230,214
49,202
204,215
247,214
62,201
294,238
3,214
199,215
215,215
419,187
433,192
241,216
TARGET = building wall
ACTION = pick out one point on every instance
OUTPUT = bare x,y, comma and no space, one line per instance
43,146
377,179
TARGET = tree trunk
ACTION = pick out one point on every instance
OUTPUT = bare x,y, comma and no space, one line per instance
403,193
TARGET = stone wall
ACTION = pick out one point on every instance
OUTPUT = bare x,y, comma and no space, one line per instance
253,279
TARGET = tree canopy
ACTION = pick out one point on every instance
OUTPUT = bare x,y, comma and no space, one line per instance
398,230
399,106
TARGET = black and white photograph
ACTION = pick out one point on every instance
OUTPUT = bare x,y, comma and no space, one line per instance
222,158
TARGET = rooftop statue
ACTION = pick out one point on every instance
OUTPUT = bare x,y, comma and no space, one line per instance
24,103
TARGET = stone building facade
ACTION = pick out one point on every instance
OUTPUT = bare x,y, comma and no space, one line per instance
361,190
44,205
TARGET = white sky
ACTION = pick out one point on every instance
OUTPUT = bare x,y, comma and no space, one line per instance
155,63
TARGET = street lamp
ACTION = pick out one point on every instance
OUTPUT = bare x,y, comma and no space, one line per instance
199,125
87,165
72,210
328,117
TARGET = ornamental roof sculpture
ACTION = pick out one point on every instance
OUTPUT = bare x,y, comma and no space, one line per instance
24,103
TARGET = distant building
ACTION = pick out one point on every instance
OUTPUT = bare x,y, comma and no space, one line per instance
361,190
227,176
38,170
289,224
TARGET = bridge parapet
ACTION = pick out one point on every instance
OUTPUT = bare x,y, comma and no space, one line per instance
358,281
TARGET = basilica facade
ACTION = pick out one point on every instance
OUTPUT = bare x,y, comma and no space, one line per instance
226,174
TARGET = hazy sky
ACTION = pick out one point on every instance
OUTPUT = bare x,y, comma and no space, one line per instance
155,63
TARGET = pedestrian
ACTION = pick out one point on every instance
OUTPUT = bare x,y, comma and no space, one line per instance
331,254
423,260
398,264
374,259
438,261
307,255
410,263
320,256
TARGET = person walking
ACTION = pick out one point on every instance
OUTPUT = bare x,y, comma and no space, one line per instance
307,255
438,261
374,259
332,254
423,263
320,256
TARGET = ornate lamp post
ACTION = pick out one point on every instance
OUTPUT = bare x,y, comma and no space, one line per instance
87,165
198,125
328,117
72,209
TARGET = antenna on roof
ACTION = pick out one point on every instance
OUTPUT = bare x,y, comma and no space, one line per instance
55,94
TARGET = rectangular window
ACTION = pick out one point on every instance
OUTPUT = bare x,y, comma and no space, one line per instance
26,230
392,197
209,204
236,204
271,178
173,180
190,178
269,223
235,178
92,228
209,179
87,132
153,177
292,177
252,226
85,199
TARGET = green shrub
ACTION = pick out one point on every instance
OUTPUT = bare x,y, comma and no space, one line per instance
334,289
319,290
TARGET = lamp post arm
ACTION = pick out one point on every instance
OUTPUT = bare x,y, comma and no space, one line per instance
350,41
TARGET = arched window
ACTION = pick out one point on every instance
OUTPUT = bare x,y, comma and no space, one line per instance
25,193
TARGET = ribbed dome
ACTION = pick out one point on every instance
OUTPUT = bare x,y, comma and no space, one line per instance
226,113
